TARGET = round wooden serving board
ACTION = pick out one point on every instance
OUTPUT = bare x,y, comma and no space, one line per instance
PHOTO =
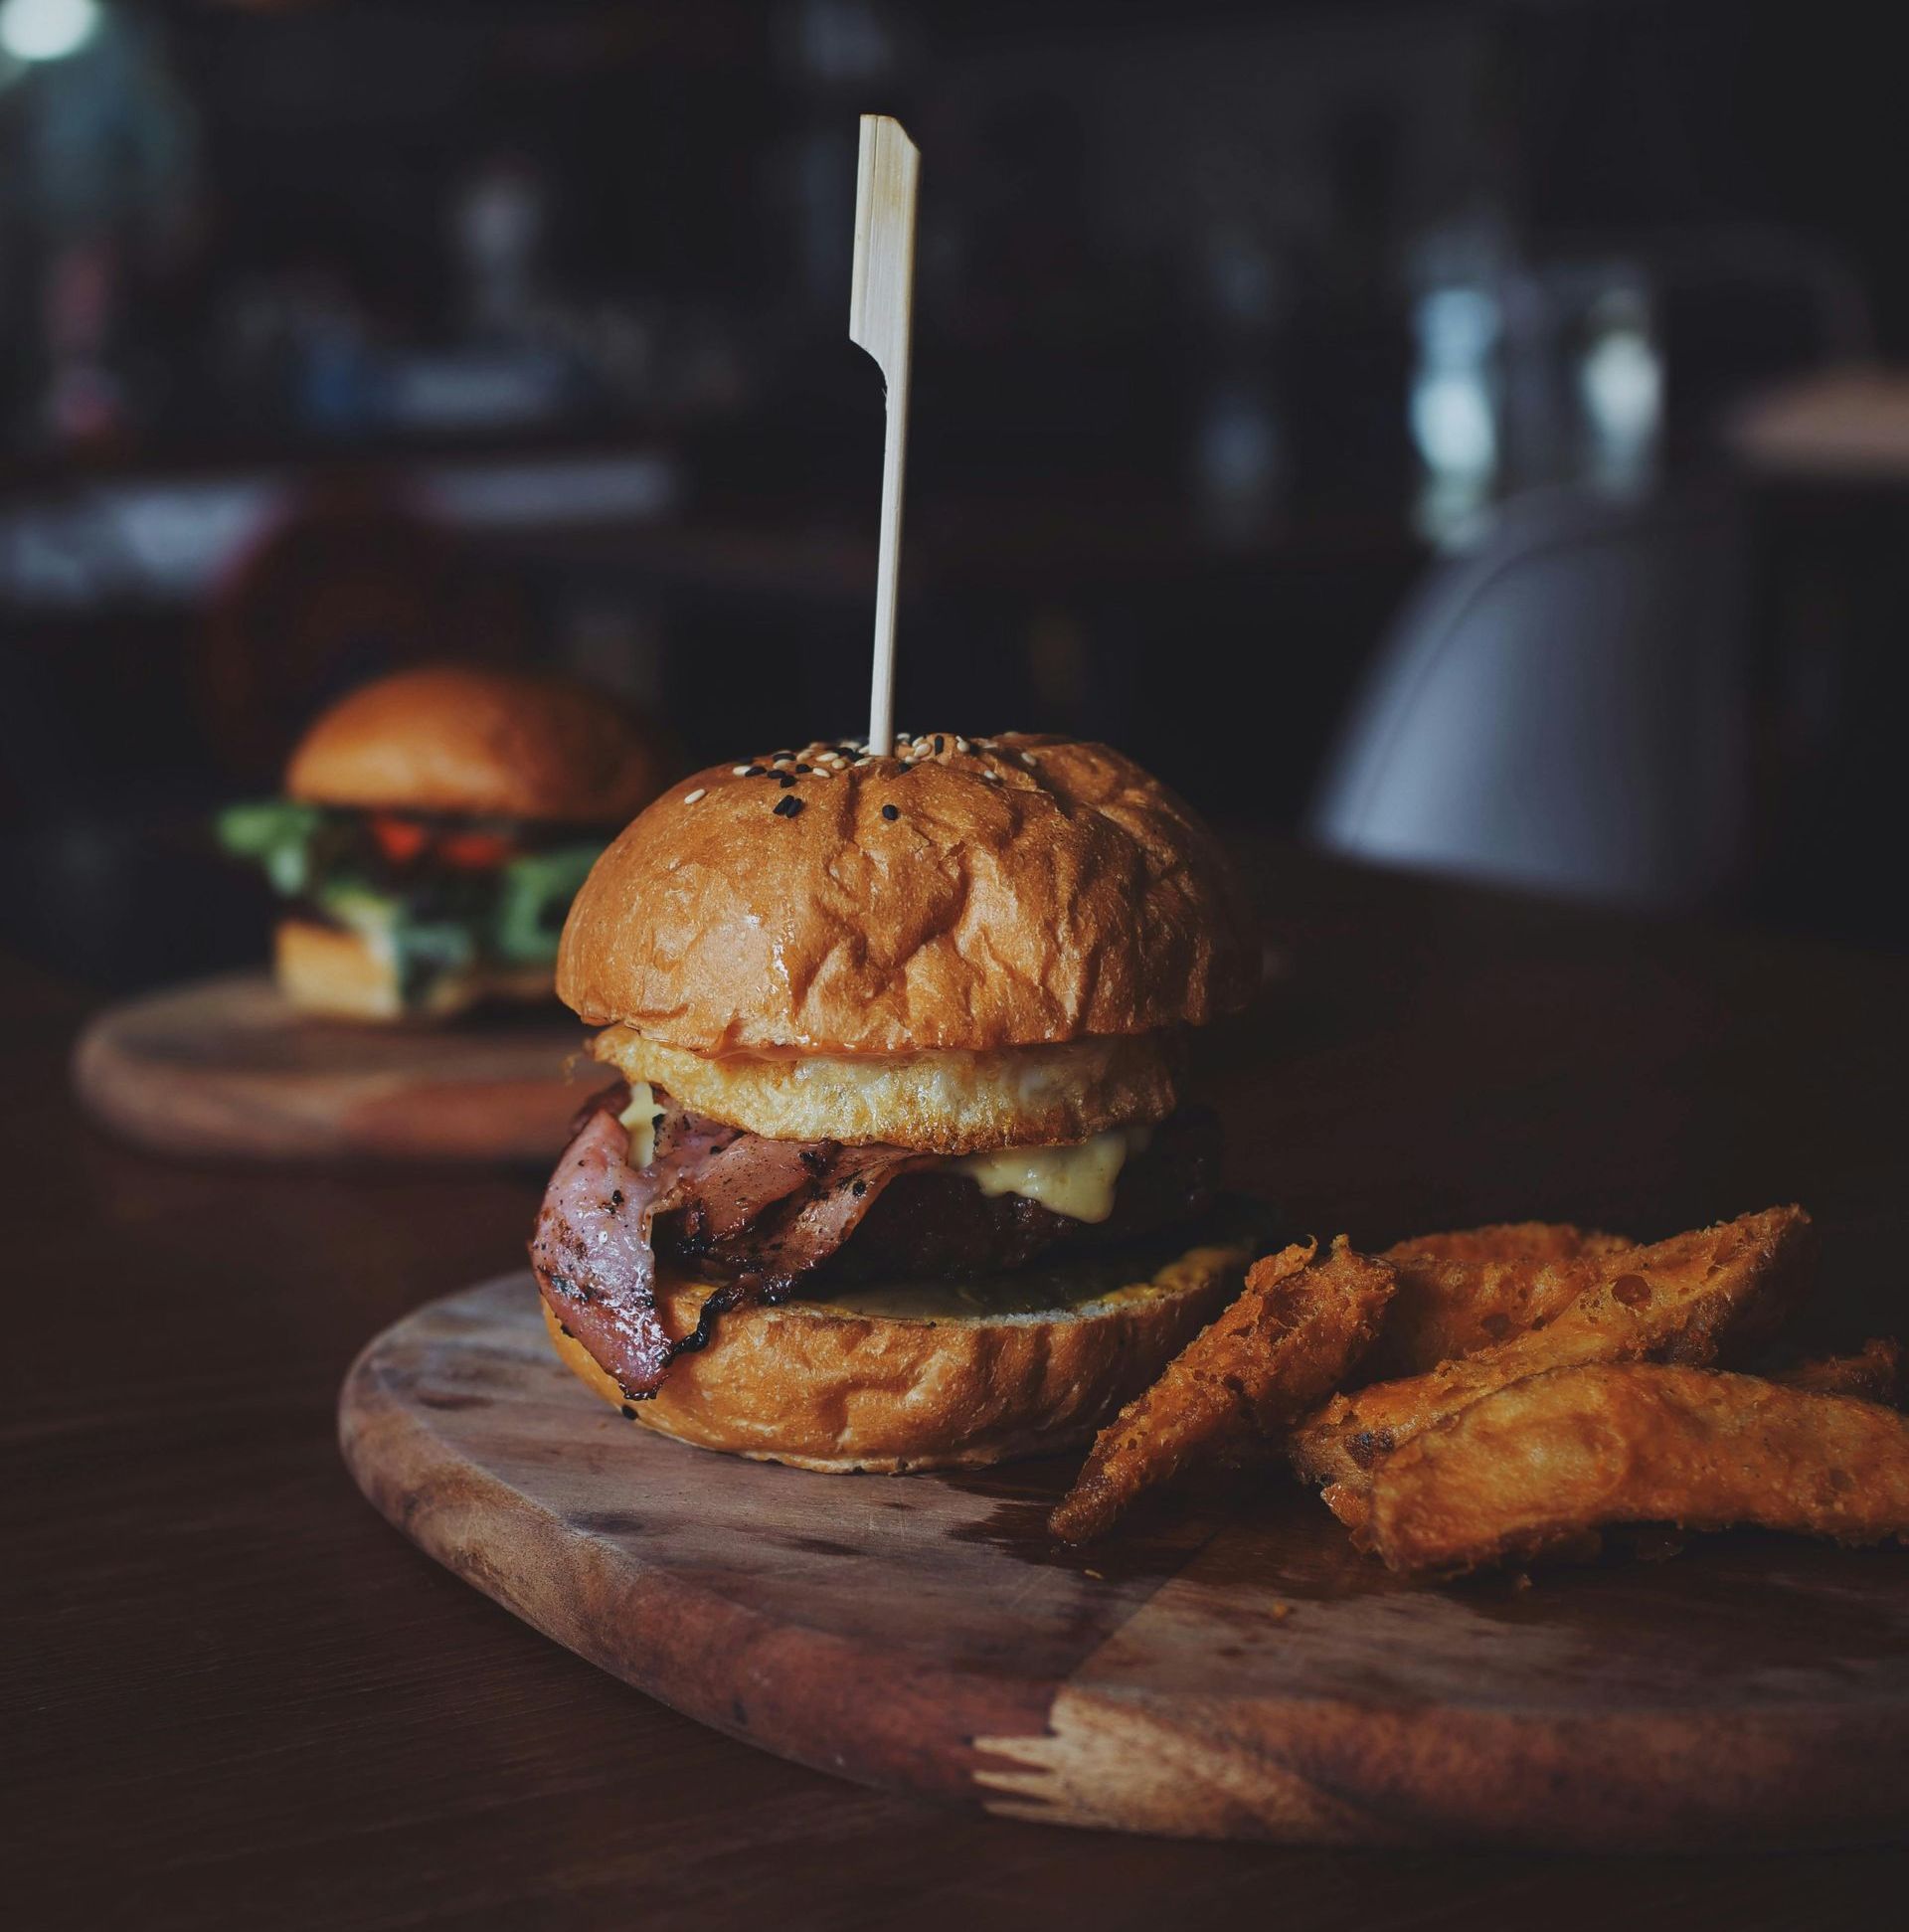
1246,1675
224,1067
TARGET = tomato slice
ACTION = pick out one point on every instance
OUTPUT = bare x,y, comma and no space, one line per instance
400,839
474,851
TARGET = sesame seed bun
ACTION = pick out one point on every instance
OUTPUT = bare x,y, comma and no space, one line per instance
479,743
1018,891
924,1379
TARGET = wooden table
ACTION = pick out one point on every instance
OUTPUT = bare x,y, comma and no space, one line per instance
233,1697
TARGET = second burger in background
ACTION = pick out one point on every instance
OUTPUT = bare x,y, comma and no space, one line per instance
898,1174
436,825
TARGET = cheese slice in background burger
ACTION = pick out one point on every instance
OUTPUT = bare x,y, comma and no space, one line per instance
898,1172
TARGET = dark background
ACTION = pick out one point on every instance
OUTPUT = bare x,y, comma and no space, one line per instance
336,335
1318,400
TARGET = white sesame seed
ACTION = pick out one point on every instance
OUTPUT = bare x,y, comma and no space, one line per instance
1029,759
961,744
822,771
780,764
739,771
690,797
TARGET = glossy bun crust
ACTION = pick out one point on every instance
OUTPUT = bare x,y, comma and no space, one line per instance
483,743
1021,891
828,1388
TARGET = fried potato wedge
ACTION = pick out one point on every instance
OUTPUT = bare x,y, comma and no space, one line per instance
1536,1465
1294,1334
1672,1301
1532,1241
1469,1290
1875,1373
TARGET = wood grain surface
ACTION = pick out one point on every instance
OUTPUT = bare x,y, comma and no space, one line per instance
224,1067
231,1695
1240,1674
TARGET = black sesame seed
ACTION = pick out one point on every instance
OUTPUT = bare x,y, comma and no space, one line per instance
891,811
805,768
941,744
757,772
787,807
784,779
629,1413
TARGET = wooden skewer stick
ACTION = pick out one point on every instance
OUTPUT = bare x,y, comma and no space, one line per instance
880,309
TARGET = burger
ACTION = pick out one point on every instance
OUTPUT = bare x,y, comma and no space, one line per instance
435,827
896,1171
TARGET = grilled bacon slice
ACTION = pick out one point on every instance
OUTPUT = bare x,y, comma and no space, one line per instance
767,1215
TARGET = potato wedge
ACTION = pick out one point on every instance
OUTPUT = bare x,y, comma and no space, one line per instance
1474,1288
1876,1373
1531,1241
1534,1466
1294,1334
1672,1301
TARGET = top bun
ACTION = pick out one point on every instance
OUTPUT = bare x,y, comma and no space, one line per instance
480,743
1002,892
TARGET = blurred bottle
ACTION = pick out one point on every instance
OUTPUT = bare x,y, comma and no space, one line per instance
99,172
498,224
1456,395
85,405
1528,374
1239,454
1621,388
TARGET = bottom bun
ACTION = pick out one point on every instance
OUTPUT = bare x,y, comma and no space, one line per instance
930,1376
342,973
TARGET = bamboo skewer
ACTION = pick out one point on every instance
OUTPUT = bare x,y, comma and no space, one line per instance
880,311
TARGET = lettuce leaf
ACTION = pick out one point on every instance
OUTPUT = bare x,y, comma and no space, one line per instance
533,895
278,833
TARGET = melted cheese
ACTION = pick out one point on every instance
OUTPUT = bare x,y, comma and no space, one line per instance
641,1117
1076,1181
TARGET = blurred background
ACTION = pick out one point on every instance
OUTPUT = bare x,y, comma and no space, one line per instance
1461,435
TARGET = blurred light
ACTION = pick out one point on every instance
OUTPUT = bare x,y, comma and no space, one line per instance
1622,384
172,539
1453,409
46,30
1621,381
1458,325
1451,423
530,495
1453,402
1240,461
